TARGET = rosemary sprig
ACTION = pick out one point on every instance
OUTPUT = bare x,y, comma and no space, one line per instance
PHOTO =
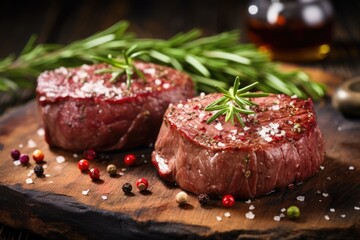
233,102
121,66
212,60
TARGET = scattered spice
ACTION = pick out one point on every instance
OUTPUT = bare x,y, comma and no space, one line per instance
300,198
142,184
85,192
24,159
182,198
60,159
39,171
203,199
89,154
127,188
130,159
228,200
38,156
29,181
15,154
293,212
250,215
83,165
94,174
111,169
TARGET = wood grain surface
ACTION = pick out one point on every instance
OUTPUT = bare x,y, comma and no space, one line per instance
55,207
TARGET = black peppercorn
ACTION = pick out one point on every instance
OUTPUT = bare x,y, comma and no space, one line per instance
127,188
39,170
203,199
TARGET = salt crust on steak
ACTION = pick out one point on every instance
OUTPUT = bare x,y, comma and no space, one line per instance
82,109
281,144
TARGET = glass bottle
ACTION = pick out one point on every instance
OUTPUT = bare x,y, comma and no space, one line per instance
291,30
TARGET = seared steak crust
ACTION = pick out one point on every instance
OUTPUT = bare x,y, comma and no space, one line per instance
82,109
280,145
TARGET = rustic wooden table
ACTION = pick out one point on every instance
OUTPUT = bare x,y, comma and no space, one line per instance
66,21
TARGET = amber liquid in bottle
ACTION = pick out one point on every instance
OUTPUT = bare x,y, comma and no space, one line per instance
291,39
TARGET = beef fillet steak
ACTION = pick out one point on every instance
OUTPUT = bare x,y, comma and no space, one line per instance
281,144
81,109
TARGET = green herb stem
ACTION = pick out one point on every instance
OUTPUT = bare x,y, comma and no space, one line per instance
213,59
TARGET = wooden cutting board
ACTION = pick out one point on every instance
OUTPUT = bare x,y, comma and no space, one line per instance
55,206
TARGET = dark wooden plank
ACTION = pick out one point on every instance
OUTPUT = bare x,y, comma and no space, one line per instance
55,207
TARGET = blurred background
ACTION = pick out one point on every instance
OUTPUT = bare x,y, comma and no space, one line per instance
56,21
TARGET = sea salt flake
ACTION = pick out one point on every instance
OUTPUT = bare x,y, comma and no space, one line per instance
351,168
104,197
268,139
283,210
277,218
343,215
158,82
250,215
248,201
322,167
218,218
325,194
40,132
227,214
251,207
29,181
219,127
17,162
357,208
275,107
332,209
75,155
60,159
220,144
166,85
328,178
300,198
29,174
246,128
21,145
31,144
85,192
282,215
293,96
123,169
121,173
327,217
47,175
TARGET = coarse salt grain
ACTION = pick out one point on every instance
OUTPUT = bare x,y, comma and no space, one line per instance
343,215
351,168
248,201
275,107
40,132
325,194
104,197
322,167
357,208
158,82
47,175
166,85
227,214
17,163
123,169
85,192
75,155
29,181
277,218
218,218
60,159
251,207
219,127
220,144
250,215
121,173
21,145
31,144
332,209
283,210
327,217
300,198
282,215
